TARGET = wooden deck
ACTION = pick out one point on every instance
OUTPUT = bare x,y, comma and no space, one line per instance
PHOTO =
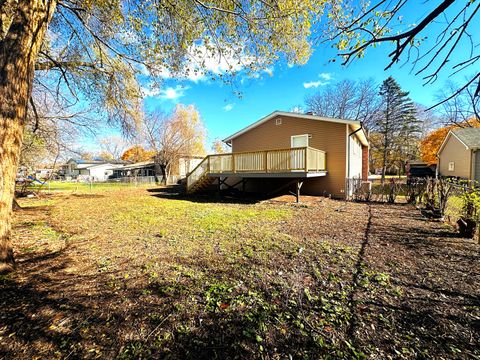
288,163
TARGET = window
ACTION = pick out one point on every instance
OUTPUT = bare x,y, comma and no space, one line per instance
451,166
299,141
278,121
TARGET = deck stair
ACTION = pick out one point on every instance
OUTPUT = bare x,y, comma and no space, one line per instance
297,162
201,184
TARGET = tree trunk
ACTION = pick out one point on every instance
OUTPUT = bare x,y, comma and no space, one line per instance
164,174
384,163
18,52
157,171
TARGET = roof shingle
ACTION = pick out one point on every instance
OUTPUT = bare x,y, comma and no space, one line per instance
469,136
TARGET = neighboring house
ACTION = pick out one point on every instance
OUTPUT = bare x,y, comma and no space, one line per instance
459,155
142,168
44,173
92,170
147,168
317,153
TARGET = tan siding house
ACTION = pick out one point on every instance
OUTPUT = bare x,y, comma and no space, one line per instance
327,136
458,156
285,151
333,136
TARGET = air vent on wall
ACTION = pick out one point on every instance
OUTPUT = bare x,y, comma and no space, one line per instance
278,121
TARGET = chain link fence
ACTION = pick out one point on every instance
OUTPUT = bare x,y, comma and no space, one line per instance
450,200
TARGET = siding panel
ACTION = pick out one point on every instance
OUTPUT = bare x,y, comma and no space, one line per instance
455,151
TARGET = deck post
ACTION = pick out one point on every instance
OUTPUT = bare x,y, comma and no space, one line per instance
233,163
306,160
265,158
298,186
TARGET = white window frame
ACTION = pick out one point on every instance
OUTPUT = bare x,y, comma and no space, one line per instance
297,136
451,166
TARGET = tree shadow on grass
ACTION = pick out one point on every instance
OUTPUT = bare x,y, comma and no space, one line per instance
427,306
175,192
52,311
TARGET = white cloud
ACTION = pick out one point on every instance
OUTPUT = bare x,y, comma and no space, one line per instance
202,62
325,76
297,109
169,93
228,107
314,84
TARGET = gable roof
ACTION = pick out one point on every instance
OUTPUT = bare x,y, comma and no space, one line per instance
356,125
469,137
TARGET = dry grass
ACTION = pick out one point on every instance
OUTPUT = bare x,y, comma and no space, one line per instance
140,274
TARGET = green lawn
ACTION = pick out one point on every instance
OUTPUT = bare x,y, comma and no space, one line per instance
56,186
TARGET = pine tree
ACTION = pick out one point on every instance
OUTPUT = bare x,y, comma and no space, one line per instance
397,125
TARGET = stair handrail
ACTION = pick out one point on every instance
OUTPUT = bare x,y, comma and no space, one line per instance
197,173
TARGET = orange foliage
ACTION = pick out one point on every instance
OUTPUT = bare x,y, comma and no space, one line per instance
430,145
137,153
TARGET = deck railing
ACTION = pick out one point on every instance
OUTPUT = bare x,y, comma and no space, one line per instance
267,161
196,174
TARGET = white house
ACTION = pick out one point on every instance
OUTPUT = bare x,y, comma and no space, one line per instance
91,170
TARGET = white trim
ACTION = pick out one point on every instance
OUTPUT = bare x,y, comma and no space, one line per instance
301,135
347,152
355,124
450,133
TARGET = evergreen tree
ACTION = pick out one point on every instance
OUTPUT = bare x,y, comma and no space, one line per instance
397,125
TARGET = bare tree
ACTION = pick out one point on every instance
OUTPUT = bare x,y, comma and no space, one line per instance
113,147
356,26
428,119
346,99
461,110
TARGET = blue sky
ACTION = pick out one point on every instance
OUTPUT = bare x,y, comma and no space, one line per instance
283,87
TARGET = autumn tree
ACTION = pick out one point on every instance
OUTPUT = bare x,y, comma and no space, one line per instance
396,125
173,136
96,51
431,143
219,147
137,153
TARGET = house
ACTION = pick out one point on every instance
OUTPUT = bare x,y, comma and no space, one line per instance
92,170
458,155
179,170
138,169
314,153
